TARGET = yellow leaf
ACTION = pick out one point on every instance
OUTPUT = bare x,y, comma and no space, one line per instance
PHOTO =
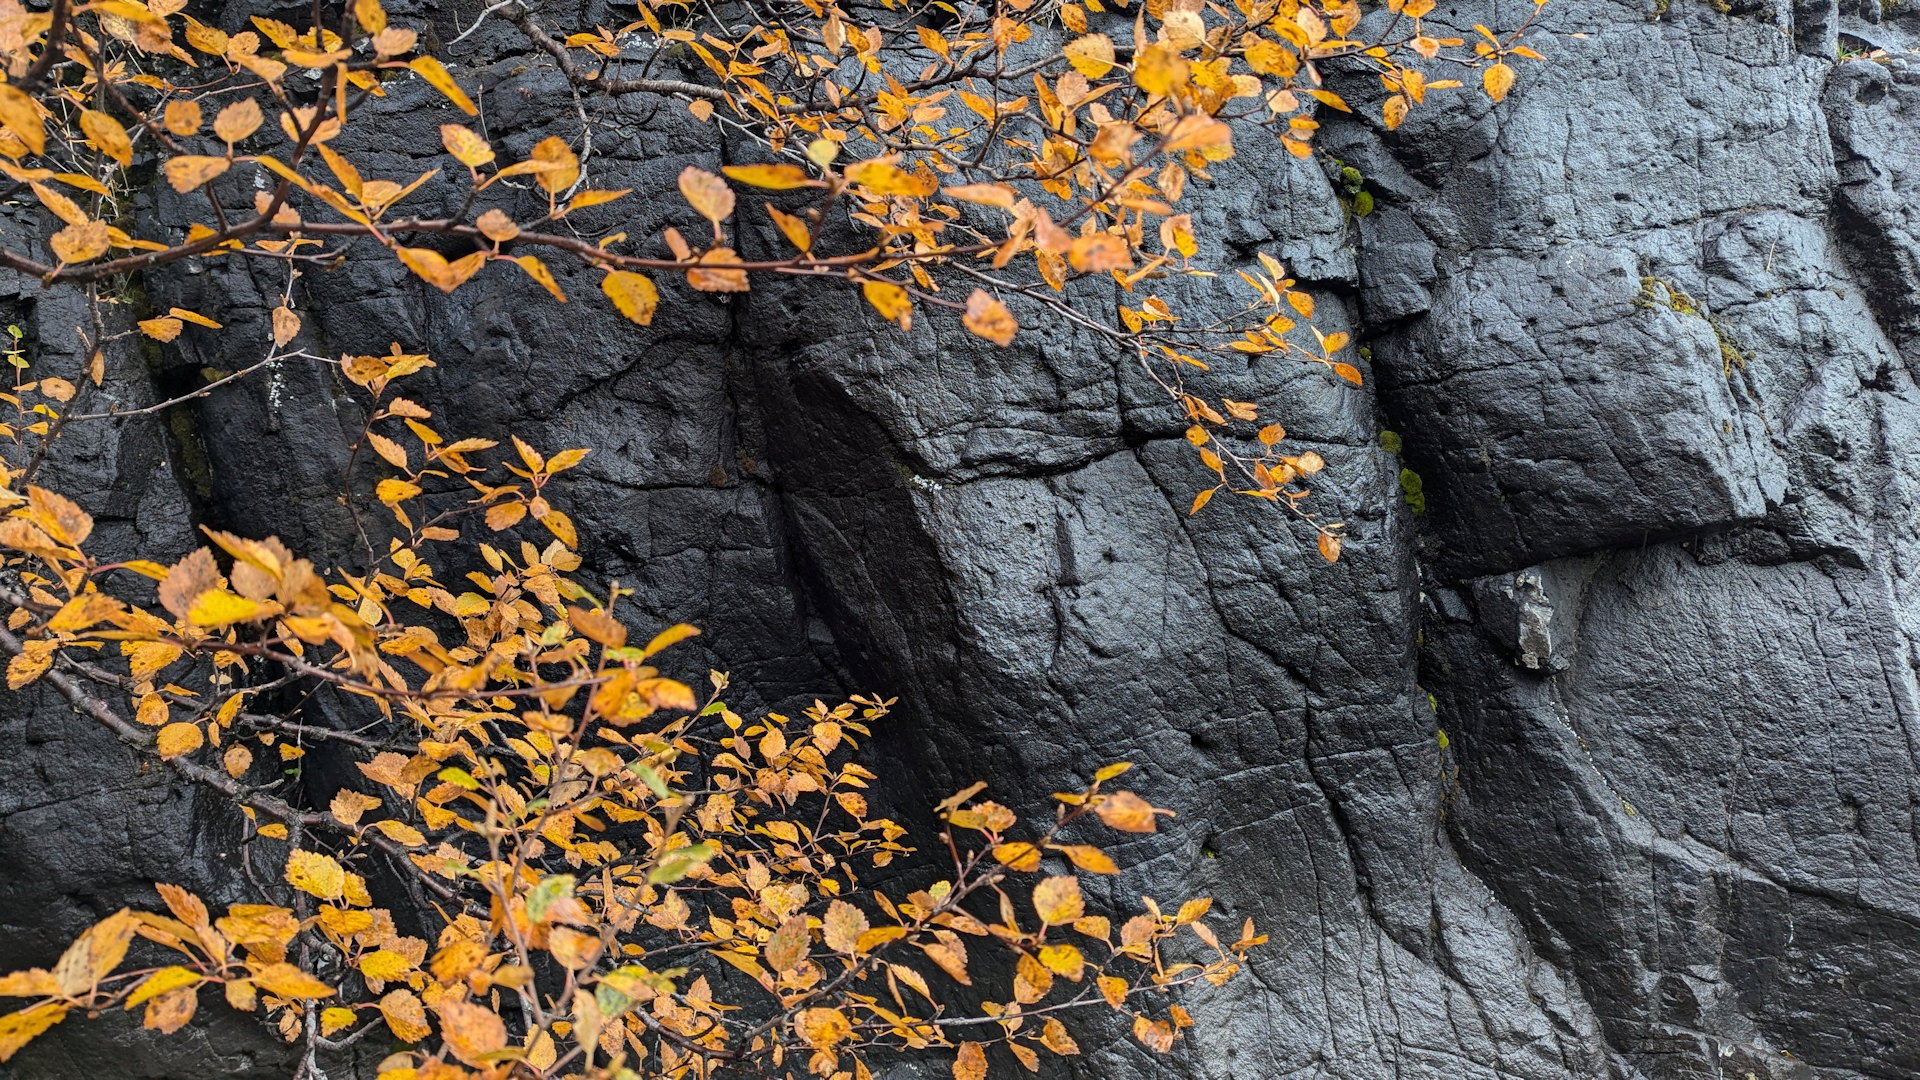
405,1016
822,1028
193,317
336,1019
1114,989
19,1028
1349,373
237,121
237,761
467,148
1057,900
1055,1038
471,1031
177,739
287,981
771,177
1092,55
22,117
436,74
371,17
401,833
538,271
1000,195
556,166
890,300
707,194
1063,960
1127,812
316,874
788,945
672,635
794,228
286,325
1099,252
108,135
1497,80
384,965
989,318
79,243
189,171
167,978
883,177
1158,69
632,294
843,926
1091,859
434,267
218,607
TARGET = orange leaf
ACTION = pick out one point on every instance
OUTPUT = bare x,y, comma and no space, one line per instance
1330,547
989,318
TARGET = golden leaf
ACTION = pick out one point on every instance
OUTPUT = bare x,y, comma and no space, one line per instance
287,981
373,19
177,739
843,926
1091,56
883,177
107,134
1127,812
1329,545
384,965
336,1019
237,121
1498,79
890,300
633,295
316,874
218,607
471,1031
436,74
237,761
286,326
794,228
19,1028
1057,900
22,117
989,318
167,978
1091,859
189,171
405,1016
971,1062
822,1028
771,177
788,944
707,194
79,243
467,148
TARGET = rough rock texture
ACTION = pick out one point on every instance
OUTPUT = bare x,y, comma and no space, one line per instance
1649,334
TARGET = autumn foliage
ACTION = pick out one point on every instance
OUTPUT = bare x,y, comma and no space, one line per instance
622,876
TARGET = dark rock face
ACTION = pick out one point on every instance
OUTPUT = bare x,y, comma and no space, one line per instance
1605,765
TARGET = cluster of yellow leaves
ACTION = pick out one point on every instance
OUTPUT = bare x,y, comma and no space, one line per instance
578,810
957,173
